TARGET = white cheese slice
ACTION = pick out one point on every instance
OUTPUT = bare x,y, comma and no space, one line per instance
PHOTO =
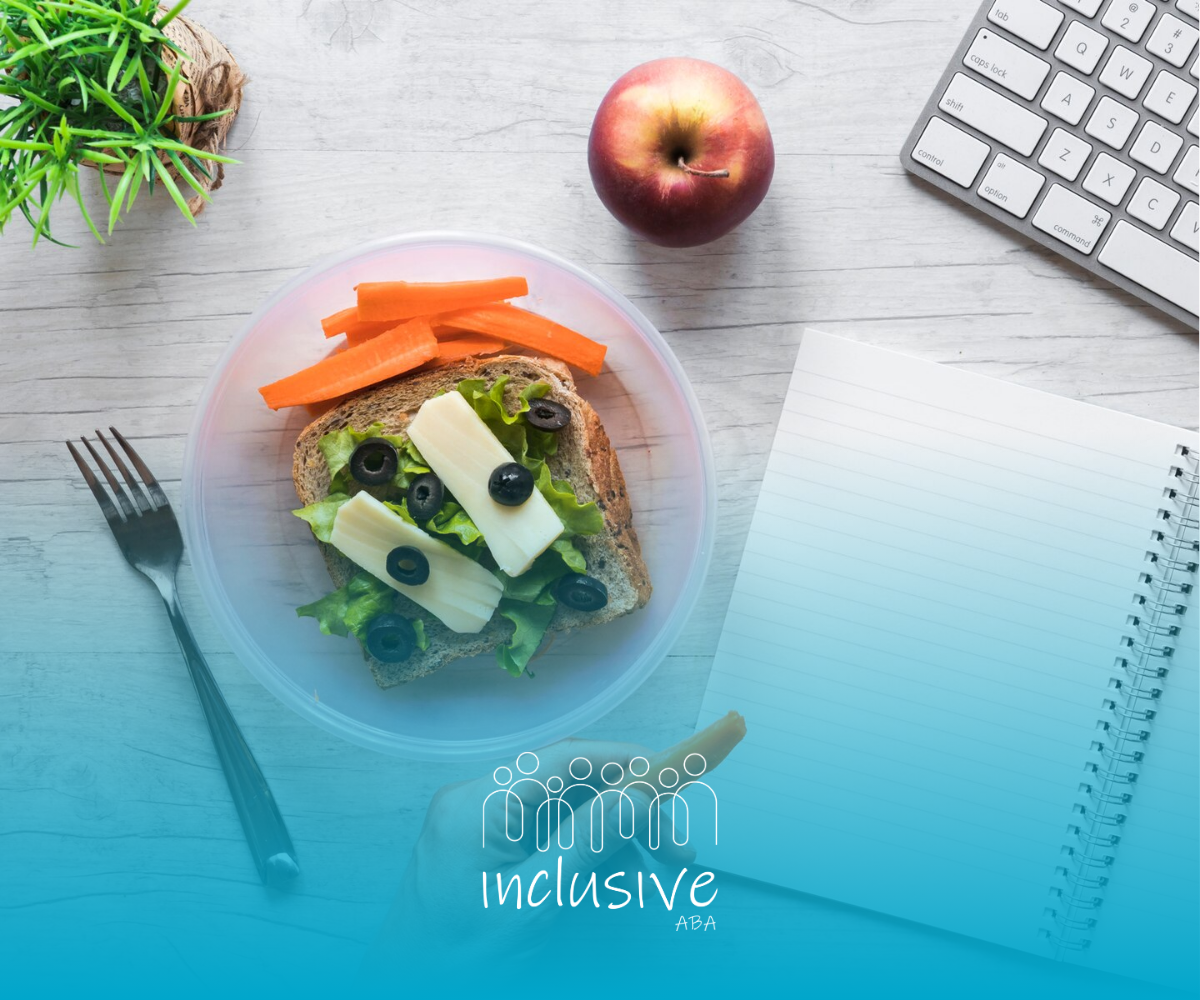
459,591
460,448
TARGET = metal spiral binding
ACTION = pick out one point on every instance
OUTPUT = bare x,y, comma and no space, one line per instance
1129,709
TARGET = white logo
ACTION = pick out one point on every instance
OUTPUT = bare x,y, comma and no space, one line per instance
616,783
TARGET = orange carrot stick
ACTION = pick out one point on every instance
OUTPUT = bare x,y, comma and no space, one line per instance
347,322
459,348
359,333
712,745
466,347
392,353
519,326
395,300
335,324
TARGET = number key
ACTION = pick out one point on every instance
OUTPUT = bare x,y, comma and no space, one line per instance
1172,40
1129,18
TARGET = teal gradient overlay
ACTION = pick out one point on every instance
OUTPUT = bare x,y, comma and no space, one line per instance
163,908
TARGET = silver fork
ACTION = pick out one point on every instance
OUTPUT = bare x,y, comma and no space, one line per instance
148,536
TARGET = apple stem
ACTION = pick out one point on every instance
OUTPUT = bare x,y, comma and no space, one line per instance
701,173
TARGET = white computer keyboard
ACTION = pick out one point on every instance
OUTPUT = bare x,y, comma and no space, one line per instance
1075,122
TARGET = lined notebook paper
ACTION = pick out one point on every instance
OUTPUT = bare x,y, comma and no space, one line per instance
959,639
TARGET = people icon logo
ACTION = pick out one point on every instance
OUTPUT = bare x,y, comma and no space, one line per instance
554,814
611,807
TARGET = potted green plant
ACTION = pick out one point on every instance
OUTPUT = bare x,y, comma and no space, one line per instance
127,87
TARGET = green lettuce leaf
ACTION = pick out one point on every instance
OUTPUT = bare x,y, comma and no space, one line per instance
350,609
541,443
531,622
422,639
577,518
453,521
338,446
320,515
535,584
526,444
400,508
569,552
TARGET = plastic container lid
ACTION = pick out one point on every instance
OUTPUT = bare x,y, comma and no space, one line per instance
256,563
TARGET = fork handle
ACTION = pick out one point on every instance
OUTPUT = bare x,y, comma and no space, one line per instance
265,830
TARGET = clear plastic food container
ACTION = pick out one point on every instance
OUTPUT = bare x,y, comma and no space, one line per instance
256,563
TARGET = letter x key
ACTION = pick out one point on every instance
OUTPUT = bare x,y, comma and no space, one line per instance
1108,179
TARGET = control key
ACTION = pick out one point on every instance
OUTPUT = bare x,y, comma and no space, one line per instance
950,152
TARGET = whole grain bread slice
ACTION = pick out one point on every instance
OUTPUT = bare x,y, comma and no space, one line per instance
585,457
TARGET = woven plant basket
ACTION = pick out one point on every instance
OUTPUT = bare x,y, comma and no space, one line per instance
212,81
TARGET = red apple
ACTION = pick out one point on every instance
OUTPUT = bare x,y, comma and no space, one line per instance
680,151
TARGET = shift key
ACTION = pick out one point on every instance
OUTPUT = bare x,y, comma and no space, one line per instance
992,114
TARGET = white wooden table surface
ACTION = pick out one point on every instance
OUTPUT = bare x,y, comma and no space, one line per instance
365,118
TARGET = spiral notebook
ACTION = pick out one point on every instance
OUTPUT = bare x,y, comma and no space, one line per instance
963,635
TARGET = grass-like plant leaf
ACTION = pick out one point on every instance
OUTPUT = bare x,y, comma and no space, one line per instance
94,83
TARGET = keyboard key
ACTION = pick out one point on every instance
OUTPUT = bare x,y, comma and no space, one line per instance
1081,47
1129,18
1126,72
1065,154
1170,97
1156,147
1188,7
951,152
1067,98
994,115
1194,124
1172,40
1011,185
1007,65
1152,203
1188,174
1111,123
1087,8
1152,264
1072,219
1109,179
1187,227
1031,20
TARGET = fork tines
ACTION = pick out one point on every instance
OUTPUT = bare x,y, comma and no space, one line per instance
144,505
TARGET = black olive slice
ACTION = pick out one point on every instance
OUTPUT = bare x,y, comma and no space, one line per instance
391,638
426,496
375,462
583,593
547,415
408,565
